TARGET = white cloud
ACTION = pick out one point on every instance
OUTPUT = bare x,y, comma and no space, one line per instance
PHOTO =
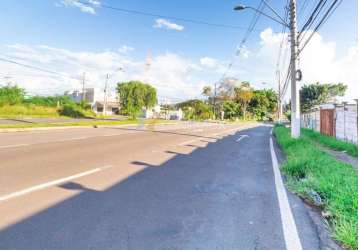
87,8
174,76
319,62
125,49
163,23
208,62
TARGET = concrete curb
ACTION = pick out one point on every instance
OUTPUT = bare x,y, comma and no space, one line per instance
8,130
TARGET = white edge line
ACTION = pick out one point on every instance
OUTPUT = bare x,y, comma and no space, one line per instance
292,239
51,183
14,146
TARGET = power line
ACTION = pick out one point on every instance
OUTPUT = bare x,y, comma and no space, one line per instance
248,32
323,20
36,68
143,13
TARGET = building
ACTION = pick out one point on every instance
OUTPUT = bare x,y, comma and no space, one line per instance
87,95
112,108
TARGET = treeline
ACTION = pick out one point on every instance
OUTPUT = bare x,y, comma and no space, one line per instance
15,102
232,100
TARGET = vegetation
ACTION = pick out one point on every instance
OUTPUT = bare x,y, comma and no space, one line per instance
14,103
331,142
316,94
196,110
240,100
135,95
309,169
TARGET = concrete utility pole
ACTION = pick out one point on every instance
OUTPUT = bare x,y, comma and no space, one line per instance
105,95
295,94
279,102
295,97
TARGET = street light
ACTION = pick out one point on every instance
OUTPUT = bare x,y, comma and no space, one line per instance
105,89
280,21
292,25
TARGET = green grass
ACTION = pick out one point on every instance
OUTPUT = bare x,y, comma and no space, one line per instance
13,111
331,142
81,123
308,168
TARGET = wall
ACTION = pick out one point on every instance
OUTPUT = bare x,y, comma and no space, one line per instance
345,121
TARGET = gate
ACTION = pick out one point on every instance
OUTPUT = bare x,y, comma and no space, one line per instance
327,122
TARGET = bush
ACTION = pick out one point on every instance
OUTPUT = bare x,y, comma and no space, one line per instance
11,95
75,111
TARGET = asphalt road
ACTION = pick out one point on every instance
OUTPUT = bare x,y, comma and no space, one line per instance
183,186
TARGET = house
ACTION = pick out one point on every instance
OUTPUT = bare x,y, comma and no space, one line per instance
112,108
152,113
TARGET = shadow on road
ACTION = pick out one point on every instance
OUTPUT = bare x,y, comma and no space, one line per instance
162,132
192,201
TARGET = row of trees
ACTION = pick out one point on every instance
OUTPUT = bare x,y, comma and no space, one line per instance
240,100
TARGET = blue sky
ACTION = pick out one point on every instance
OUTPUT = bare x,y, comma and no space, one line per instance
64,26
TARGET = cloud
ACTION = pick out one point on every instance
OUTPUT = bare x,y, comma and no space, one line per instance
319,62
125,49
175,77
208,62
166,24
87,8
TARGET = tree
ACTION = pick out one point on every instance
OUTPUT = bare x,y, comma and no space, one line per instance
263,104
243,95
227,88
195,109
134,96
207,92
231,109
11,95
317,94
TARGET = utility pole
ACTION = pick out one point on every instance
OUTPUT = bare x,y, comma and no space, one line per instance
295,97
83,86
279,102
105,95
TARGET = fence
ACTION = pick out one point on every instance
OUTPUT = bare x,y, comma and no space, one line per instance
340,121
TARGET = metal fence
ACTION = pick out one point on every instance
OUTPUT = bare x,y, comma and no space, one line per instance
338,120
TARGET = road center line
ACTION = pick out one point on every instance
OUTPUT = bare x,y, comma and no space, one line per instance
290,233
51,183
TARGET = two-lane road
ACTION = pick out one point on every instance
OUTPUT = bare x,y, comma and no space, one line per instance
182,186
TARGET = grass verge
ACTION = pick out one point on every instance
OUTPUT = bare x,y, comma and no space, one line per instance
331,142
310,169
80,123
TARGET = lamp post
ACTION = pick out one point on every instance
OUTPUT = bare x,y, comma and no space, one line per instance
105,90
295,100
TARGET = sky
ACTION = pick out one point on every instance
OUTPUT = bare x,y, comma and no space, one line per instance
65,38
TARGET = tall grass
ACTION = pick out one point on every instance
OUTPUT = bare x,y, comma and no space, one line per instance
331,142
309,168
11,111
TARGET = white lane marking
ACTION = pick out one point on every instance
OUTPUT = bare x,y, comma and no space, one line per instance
50,183
290,233
242,137
14,146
